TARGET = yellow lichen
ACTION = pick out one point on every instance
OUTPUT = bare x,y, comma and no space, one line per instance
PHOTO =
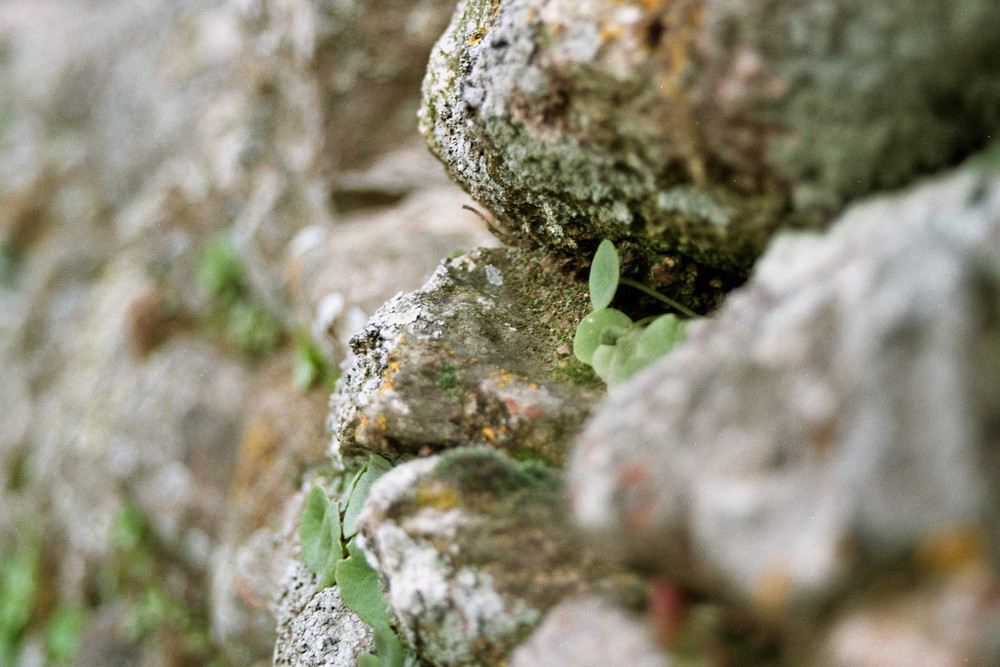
437,496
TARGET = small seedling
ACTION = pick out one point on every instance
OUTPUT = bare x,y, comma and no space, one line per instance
607,339
328,536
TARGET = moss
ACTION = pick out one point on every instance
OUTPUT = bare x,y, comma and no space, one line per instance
479,469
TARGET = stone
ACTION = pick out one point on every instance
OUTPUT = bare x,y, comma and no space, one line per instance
589,632
479,354
702,127
315,628
834,420
472,549
337,276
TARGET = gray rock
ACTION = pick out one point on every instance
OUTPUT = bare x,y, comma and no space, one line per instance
315,628
337,276
702,127
837,415
589,632
478,355
472,550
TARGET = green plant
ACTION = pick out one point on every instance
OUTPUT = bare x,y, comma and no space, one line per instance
156,609
607,339
19,573
311,368
62,632
245,323
328,536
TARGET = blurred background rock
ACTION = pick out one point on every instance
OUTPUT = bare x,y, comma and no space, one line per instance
198,202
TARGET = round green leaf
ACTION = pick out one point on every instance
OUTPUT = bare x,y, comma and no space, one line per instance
662,335
604,271
601,361
358,584
601,327
315,539
624,361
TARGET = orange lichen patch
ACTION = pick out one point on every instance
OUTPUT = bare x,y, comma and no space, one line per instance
489,433
477,35
370,430
387,374
772,592
951,551
437,496
503,380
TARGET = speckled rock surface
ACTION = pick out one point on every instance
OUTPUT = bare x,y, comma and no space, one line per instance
589,632
472,549
316,629
479,354
835,420
703,126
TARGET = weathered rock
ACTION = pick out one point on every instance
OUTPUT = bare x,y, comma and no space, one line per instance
703,126
472,549
589,632
480,354
339,275
833,422
315,628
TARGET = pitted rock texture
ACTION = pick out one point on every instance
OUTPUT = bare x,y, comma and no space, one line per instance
480,354
703,126
315,628
835,421
472,548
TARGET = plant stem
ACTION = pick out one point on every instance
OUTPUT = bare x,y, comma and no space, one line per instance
684,310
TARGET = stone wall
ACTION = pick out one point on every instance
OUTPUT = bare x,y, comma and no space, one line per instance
209,211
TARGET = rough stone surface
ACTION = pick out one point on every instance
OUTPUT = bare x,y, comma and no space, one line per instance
472,550
315,627
478,355
835,420
589,632
702,126
337,276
